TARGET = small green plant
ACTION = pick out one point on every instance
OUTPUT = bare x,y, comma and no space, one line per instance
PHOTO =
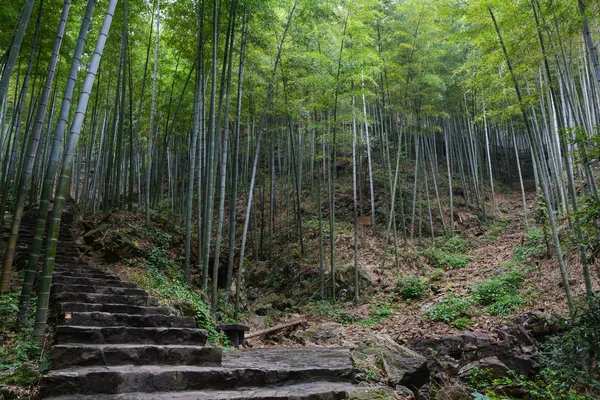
498,227
454,311
412,287
440,258
329,310
532,246
479,379
501,295
377,314
437,275
448,254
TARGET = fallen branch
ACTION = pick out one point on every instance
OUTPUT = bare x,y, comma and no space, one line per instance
274,329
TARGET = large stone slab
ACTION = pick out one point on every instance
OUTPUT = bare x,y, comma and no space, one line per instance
124,334
301,391
112,290
129,379
144,300
70,355
119,319
401,365
112,308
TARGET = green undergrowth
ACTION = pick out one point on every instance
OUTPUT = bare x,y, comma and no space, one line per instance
413,287
330,310
497,228
162,277
452,310
21,359
164,280
500,295
449,253
381,311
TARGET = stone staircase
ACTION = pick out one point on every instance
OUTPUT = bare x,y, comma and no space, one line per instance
113,341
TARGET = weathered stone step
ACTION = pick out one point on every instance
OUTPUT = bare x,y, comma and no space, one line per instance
144,300
69,355
78,280
118,319
121,291
302,391
79,268
76,268
112,308
149,379
125,334
83,273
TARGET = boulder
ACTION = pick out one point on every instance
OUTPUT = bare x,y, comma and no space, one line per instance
96,233
374,393
118,245
404,393
510,344
493,367
454,392
329,332
186,309
542,325
268,305
346,283
400,365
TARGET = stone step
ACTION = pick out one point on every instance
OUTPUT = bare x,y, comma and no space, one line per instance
62,259
319,390
149,379
69,355
77,280
112,308
80,267
125,334
120,291
77,267
119,319
144,300
88,273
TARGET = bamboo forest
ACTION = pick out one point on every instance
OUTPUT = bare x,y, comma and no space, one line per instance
300,199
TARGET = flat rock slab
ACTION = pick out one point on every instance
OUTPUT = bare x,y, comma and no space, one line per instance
113,308
151,379
125,334
302,391
96,318
288,358
70,355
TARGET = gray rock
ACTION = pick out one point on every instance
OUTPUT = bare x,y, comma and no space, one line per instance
118,245
404,392
401,365
491,365
96,233
510,344
328,332
455,392
374,393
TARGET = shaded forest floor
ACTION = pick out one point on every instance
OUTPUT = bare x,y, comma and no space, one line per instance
494,250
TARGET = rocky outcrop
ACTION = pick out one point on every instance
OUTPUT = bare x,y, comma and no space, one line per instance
399,365
499,352
512,345
326,333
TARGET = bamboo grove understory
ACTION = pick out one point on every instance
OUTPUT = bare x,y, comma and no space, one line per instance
229,114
